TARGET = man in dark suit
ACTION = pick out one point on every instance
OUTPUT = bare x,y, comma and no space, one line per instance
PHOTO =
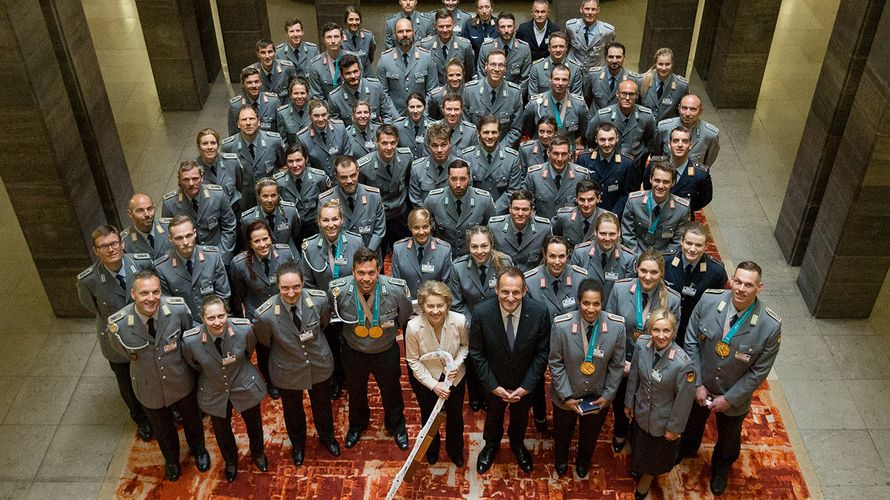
509,344
536,32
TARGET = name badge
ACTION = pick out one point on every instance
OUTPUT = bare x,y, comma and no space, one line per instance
333,150
419,139
306,336
207,290
667,101
611,276
594,51
568,302
493,282
273,279
212,225
689,290
369,145
742,356
170,347
388,324
420,79
667,234
364,229
427,268
502,183
229,360
598,353
648,239
656,375
283,226
612,188
515,70
340,261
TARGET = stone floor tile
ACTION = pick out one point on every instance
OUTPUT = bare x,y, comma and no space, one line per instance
63,355
815,404
845,457
14,490
872,398
96,401
41,400
805,358
54,490
22,448
860,357
82,451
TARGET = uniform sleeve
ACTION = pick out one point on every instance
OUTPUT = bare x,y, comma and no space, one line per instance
415,193
703,195
690,344
533,86
525,122
165,286
684,396
616,365
379,227
628,235
238,293
556,362
512,138
221,281
582,121
432,76
713,150
280,126
227,227
372,49
576,82
633,380
480,61
447,268
381,75
262,331
189,357
744,387
308,273
524,72
86,297
388,111
233,120
389,40
469,63
457,292
405,307
315,91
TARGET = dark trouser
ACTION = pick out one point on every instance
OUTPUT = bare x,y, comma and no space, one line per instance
588,434
125,386
729,438
493,431
474,389
295,415
539,402
222,429
165,431
396,229
622,423
453,407
387,372
332,335
262,361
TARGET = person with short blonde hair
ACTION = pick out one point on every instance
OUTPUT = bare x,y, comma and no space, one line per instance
421,256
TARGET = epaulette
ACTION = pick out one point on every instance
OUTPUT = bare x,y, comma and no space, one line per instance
539,61
535,168
317,57
645,338
542,220
271,94
511,84
511,151
539,98
279,175
403,150
193,331
489,41
282,246
387,51
625,280
438,90
314,45
339,281
596,69
627,250
213,187
286,203
531,272
579,269
644,109
418,161
467,150
326,193
275,134
372,79
472,83
160,260
583,244
353,233
615,317
562,317
574,21
565,210
634,75
86,272
248,211
772,314
397,281
462,258
285,62
702,167
403,240
210,248
229,139
714,260
607,25
712,128
437,191
581,169
578,97
117,316
280,45
670,251
426,38
672,291
443,242
140,256
715,290
373,189
240,321
604,111
235,99
400,119
229,156
682,79
169,195
636,194
240,257
684,358
317,171
282,107
530,142
480,191
175,300
681,200
335,120
364,160
266,305
497,218
302,130
315,293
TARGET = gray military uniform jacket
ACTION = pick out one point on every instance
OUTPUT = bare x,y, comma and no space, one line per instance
705,140
364,47
299,57
290,122
318,268
367,219
230,377
436,263
400,81
267,104
361,142
393,187
500,177
592,51
135,242
674,89
208,277
636,132
753,349
434,100
248,293
463,135
568,349
324,150
519,60
540,181
468,290
298,358
476,208
286,227
622,301
573,117
214,221
569,223
277,78
268,156
159,374
598,91
394,310
226,171
635,222
426,177
342,99
422,23
620,264
539,283
457,48
539,76
305,197
661,394
101,293
507,106
532,153
527,254
321,79
413,135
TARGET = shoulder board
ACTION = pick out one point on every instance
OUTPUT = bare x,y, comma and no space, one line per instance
636,194
175,300
716,291
271,94
326,193
583,244
141,256
573,21
522,42
364,160
279,175
671,251
373,189
604,111
229,139
276,134
248,211
579,269
315,293
538,167
418,161
437,91
286,203
193,331
711,127
539,61
213,187
683,357
529,142
210,248
353,234
421,49
531,272
609,26
489,41
397,281
240,321
562,317
565,210
169,195
511,151
644,109
581,169
596,69
339,281
481,192
266,305
462,258
400,119
372,79
542,220
160,260
714,260
513,85
497,218
229,156
403,240
437,191
335,120
680,200
317,57
625,280
577,97
672,291
117,316
240,257
472,83
235,99
615,317
283,106
280,45
285,62
682,79
772,314
426,38
86,272
303,130
443,243
634,75
645,338
703,167
404,150
282,246
317,171
468,150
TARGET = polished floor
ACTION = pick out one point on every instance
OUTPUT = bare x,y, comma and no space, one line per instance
64,432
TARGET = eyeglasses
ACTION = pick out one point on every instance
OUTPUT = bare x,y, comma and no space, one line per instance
497,65
109,246
627,95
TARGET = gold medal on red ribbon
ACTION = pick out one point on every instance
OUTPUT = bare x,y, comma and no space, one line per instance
637,334
722,349
375,332
588,368
361,331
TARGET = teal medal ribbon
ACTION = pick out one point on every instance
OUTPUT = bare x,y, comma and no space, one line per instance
335,272
337,68
556,114
360,313
638,298
738,324
650,204
592,342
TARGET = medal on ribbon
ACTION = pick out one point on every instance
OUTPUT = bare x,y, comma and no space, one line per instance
587,367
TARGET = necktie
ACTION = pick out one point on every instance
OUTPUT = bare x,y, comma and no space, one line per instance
266,267
293,314
354,40
439,170
355,94
555,285
151,240
457,205
445,51
656,211
270,219
511,334
489,158
195,205
656,358
300,113
252,150
558,106
612,84
351,202
586,35
659,89
213,170
506,50
558,180
121,281
733,319
324,137
188,266
405,59
299,184
494,95
389,169
218,343
365,135
482,275
420,255
519,238
586,226
645,300
256,107
151,327
604,259
688,273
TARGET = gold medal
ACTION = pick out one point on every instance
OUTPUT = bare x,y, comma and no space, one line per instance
588,368
637,334
375,332
722,349
361,331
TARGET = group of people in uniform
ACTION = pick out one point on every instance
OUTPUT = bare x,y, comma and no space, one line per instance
584,261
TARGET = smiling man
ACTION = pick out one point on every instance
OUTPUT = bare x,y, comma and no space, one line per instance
274,73
295,49
705,137
652,218
521,233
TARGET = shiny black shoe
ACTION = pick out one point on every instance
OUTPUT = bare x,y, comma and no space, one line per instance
475,404
582,470
561,469
523,458
172,472
336,391
177,417
273,392
202,461
718,484
145,432
261,462
297,455
231,472
617,446
333,448
485,459
639,495
401,439
352,437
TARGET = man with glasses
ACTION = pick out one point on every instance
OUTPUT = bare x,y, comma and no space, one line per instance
635,124
494,95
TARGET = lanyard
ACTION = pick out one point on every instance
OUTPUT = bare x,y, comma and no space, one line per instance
337,68
335,272
738,324
650,204
638,297
375,319
557,114
592,341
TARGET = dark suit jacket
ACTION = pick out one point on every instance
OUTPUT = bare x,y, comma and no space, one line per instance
496,365
526,33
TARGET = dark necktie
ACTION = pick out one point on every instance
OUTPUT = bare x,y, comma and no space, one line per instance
420,255
555,285
519,238
405,59
733,319
195,205
121,281
256,107
506,50
299,184
351,202
151,327
589,332
354,40
293,314
656,211
688,274
252,150
355,94
324,137
365,136
439,170
266,267
270,219
151,240
445,52
213,170
659,89
482,275
489,158
511,333
457,205
558,106
612,84
494,95
586,35
604,259
586,226
188,266
645,300
558,180
300,113
389,169
656,358
218,343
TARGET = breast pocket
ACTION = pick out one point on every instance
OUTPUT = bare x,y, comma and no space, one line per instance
747,353
393,77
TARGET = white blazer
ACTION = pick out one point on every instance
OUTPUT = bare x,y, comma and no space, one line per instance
420,338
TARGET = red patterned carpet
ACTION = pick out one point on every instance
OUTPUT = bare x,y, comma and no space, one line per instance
767,467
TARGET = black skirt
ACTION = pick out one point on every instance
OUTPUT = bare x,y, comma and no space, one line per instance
652,455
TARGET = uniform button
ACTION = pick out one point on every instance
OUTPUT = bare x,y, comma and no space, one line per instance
163,376
162,368
307,361
227,390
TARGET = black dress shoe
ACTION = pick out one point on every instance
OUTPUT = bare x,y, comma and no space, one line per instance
718,484
523,458
261,462
582,470
171,471
145,432
297,455
457,461
485,459
541,425
231,472
475,404
273,392
352,437
202,461
177,417
640,496
333,448
401,439
561,469
617,446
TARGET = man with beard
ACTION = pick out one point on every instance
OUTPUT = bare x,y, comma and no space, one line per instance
406,68
145,235
357,88
601,81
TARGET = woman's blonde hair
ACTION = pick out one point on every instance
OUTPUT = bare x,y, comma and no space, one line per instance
431,287
649,75
659,314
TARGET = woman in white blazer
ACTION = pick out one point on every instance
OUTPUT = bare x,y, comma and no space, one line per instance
439,329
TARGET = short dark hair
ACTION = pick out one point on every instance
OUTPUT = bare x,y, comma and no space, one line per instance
522,194
288,267
103,231
585,185
606,127
291,22
386,129
679,128
352,9
248,71
344,160
511,272
264,42
488,120
438,131
255,226
364,255
416,95
329,26
590,285
458,163
347,60
452,97
296,147
441,13
549,120
616,45
750,265
554,239
145,274
559,140
505,15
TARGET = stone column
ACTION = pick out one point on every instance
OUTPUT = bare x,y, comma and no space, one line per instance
61,160
669,23
332,12
741,49
849,250
174,50
849,46
243,24
707,32
207,36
